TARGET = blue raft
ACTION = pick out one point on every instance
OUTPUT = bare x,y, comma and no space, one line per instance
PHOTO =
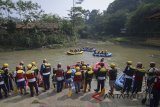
88,49
119,83
108,54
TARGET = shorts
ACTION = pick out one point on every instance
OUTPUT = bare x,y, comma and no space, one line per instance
111,83
68,81
21,84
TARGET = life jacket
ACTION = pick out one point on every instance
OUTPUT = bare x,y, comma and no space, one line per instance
30,76
59,75
129,71
157,84
20,75
151,71
1,79
89,75
68,74
113,74
47,69
35,69
139,73
78,77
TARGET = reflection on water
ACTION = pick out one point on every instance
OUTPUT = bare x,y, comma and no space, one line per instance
120,55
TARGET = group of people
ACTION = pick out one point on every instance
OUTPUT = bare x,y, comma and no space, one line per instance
101,52
134,78
80,76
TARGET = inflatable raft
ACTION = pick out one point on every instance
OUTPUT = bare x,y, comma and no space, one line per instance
119,83
88,49
96,66
102,55
74,53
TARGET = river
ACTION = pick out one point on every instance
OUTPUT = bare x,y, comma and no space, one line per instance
121,54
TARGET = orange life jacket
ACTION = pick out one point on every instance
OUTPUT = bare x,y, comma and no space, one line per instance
20,74
30,74
78,76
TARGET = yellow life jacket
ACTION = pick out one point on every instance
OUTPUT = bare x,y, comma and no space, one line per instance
90,72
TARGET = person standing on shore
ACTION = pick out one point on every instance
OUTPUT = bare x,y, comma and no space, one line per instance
112,73
59,78
101,77
45,72
31,76
128,72
88,78
77,79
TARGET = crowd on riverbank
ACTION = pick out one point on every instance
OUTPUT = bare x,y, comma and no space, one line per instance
78,78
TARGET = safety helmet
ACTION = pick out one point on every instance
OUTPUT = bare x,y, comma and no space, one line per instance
139,65
33,63
152,64
89,68
59,65
68,67
113,65
29,66
5,65
129,62
84,67
77,68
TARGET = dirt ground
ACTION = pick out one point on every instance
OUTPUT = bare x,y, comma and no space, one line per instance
53,99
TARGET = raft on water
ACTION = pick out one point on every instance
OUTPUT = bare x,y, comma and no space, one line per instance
74,53
108,54
88,49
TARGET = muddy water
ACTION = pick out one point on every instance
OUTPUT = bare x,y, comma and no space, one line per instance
121,53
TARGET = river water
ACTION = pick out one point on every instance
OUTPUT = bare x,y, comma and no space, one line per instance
121,54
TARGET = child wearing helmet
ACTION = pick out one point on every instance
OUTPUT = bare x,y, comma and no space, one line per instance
112,77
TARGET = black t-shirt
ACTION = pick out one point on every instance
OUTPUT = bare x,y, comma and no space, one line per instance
112,74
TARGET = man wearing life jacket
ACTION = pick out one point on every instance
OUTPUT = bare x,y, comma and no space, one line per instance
101,77
88,78
138,78
112,73
151,73
43,66
8,77
129,72
59,78
83,70
35,68
20,79
68,77
22,66
46,75
77,79
31,76
2,85
155,98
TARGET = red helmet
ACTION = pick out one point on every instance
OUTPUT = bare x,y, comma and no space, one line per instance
68,67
